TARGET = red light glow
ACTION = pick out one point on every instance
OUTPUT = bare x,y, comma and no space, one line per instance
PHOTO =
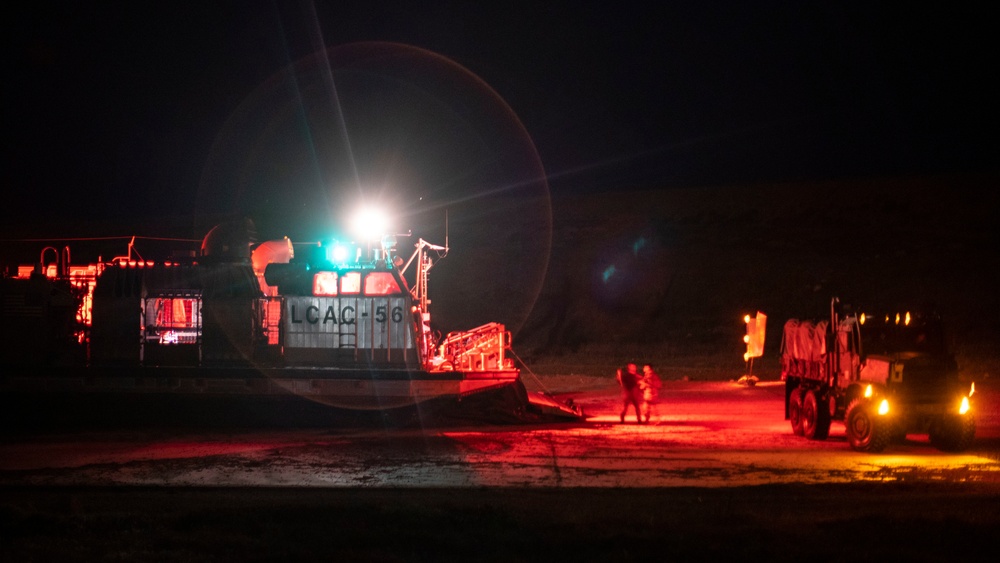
325,284
350,283
381,283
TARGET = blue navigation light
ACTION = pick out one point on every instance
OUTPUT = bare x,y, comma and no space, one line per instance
339,253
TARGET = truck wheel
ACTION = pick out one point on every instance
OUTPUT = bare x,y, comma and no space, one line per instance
953,433
795,411
815,417
865,433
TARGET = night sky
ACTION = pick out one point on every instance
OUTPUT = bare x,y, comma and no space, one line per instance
119,112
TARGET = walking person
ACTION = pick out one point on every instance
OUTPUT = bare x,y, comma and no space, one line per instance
631,394
650,385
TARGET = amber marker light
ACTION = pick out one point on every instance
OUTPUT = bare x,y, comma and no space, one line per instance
964,407
746,339
883,407
868,392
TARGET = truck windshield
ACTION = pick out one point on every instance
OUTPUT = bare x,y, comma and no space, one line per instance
886,336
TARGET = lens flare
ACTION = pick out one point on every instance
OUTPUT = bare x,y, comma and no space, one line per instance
413,130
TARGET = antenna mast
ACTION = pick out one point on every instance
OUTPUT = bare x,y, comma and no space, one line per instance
419,290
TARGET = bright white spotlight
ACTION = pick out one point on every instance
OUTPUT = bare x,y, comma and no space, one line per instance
370,224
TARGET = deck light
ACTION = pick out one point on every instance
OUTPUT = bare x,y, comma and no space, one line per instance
370,224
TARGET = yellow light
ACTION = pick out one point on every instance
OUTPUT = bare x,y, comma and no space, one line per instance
746,338
897,318
972,389
746,319
907,321
883,407
964,408
868,392
746,356
863,317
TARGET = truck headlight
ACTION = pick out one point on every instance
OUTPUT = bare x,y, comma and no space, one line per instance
868,392
883,407
964,407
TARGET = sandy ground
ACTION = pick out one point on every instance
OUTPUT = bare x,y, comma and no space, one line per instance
717,475
707,434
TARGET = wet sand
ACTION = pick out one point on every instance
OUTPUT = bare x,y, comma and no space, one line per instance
116,500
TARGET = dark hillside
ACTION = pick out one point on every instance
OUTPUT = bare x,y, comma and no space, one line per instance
668,275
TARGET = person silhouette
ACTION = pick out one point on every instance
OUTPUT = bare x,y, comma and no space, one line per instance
628,379
650,385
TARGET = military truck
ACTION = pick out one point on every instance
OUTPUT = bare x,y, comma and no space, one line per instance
884,375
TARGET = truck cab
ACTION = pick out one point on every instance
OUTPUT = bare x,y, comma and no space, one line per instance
884,375
908,356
